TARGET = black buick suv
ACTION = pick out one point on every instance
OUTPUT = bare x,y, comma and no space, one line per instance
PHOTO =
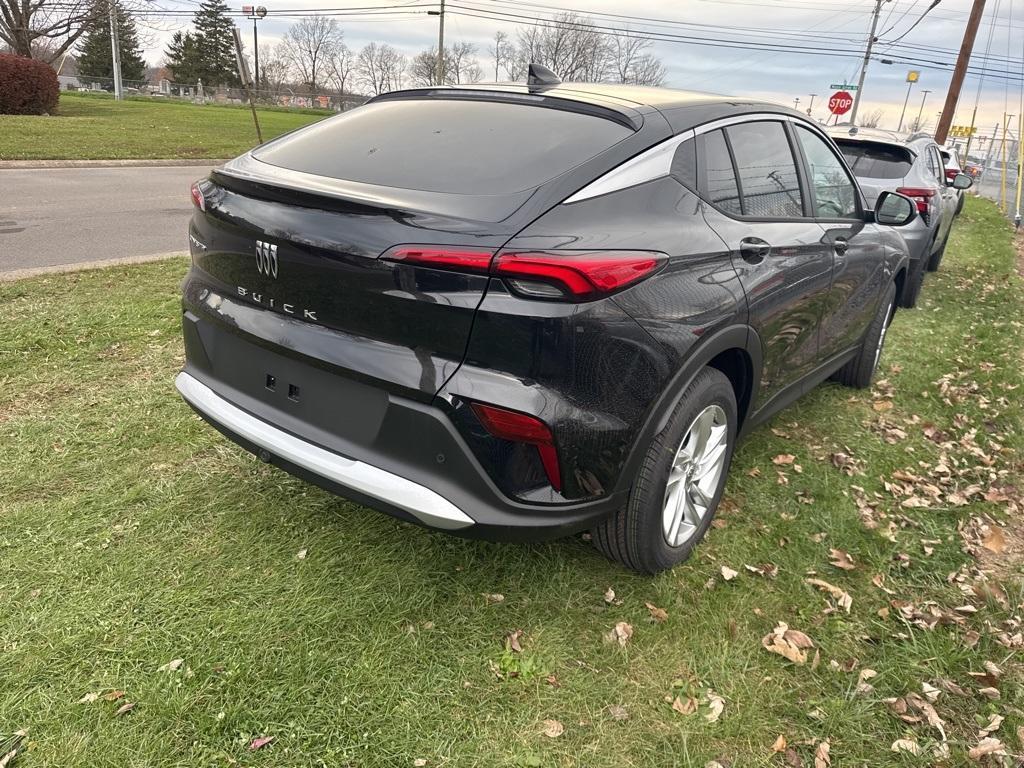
522,311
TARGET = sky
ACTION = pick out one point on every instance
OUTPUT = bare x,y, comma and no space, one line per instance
700,38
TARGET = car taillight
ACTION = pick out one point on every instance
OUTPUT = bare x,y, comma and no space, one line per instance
197,197
522,428
920,195
572,275
951,173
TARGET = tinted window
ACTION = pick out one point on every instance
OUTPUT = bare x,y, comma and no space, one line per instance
720,177
876,161
835,195
940,168
684,164
472,147
769,183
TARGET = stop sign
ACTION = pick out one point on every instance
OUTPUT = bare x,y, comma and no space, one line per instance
840,103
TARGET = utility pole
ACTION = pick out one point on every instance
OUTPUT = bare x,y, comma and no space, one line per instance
953,95
255,13
812,104
796,103
115,50
867,58
924,95
1003,159
440,46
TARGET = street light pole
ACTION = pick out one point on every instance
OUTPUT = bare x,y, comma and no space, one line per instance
812,104
905,101
440,46
867,58
115,49
255,13
796,103
924,95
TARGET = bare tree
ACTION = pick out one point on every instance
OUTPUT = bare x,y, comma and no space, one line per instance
379,68
340,68
310,44
44,30
503,52
460,65
571,48
275,69
872,119
631,62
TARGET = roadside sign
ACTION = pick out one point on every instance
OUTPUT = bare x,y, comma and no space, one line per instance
962,131
843,87
840,103
913,76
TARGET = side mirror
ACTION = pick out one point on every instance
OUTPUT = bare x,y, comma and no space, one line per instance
962,181
894,209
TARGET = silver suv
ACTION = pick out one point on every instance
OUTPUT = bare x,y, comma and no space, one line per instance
911,165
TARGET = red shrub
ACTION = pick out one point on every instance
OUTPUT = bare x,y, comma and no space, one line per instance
27,86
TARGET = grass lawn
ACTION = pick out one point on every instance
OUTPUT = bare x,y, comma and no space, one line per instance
132,535
96,127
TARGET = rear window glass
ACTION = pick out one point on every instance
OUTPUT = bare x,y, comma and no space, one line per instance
876,161
435,145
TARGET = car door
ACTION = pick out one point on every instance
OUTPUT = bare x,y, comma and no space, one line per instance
946,193
859,264
755,201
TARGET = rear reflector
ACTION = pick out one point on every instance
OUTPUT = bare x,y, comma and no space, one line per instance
197,197
521,428
573,275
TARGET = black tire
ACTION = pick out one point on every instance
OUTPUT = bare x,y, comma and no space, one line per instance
859,371
634,535
960,204
912,285
936,258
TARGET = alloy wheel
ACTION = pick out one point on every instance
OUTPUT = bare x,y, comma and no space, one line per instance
694,475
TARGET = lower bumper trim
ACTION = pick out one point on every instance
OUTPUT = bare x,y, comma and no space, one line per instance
426,505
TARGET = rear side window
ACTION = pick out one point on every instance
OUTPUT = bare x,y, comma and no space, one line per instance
769,182
720,188
835,195
876,161
438,145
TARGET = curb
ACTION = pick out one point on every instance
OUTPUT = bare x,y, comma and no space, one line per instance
61,269
38,164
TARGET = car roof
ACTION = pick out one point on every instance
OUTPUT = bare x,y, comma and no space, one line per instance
683,109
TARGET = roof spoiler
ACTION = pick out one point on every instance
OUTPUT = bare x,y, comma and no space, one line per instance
538,76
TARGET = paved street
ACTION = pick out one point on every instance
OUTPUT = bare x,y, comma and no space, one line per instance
58,216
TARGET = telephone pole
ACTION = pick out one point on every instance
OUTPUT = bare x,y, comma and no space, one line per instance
953,95
440,46
867,58
115,50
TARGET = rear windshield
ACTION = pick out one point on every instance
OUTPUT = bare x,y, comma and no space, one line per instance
876,161
436,145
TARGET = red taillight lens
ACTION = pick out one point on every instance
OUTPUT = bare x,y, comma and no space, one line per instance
521,428
197,197
580,276
460,259
920,195
951,173
574,275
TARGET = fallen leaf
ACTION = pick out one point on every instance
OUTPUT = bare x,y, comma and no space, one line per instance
685,706
113,695
842,597
994,721
906,745
987,746
994,540
659,615
260,742
822,759
6,760
512,640
789,643
618,712
301,554
990,693
124,709
553,729
609,595
491,598
419,762
783,459
171,666
620,633
728,573
716,705
552,680
841,559
779,745
89,698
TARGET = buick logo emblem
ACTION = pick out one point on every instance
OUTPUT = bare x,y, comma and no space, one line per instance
266,258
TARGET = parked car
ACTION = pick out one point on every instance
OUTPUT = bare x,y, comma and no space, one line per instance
951,161
885,160
524,311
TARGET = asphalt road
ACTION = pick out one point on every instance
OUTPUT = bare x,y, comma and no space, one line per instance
61,216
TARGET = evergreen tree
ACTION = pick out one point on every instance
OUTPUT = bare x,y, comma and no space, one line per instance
95,59
215,44
183,58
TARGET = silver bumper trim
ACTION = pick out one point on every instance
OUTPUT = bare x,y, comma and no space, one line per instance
426,505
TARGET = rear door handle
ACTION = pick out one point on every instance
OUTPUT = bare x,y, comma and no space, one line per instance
754,250
842,245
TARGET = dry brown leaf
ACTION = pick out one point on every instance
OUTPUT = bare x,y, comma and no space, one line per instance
301,554
620,633
553,729
728,573
124,709
822,759
841,559
89,698
512,640
987,746
609,595
171,666
492,598
260,742
783,459
113,695
842,597
618,712
779,745
789,643
685,706
994,540
419,762
659,615
906,745
994,721
990,693
716,705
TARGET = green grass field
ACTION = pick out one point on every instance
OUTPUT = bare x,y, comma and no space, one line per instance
96,127
132,535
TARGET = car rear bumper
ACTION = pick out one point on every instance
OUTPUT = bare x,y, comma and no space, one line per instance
387,451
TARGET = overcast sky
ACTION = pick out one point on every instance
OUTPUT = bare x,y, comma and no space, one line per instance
829,26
